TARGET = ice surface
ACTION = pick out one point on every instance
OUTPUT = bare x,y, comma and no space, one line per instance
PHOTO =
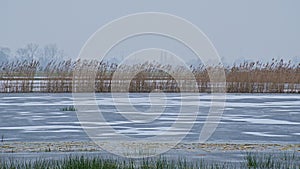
246,117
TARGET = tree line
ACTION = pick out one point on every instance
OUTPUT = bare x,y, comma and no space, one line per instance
32,51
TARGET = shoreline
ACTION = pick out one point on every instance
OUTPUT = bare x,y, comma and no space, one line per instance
89,146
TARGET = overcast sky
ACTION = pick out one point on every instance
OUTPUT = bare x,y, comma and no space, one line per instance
251,30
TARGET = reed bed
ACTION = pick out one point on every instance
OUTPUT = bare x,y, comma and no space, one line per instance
18,76
276,76
57,77
256,77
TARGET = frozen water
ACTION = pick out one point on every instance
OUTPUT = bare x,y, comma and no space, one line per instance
247,118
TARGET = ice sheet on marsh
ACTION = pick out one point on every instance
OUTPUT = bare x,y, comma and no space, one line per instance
259,118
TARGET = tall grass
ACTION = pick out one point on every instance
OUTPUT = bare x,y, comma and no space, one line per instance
57,77
251,161
18,76
280,161
256,77
276,76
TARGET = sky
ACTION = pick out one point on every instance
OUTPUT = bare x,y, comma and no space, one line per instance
239,29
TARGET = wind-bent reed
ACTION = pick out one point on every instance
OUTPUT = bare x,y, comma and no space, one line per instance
256,77
277,76
18,76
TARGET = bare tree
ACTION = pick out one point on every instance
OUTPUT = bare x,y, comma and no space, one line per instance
50,53
29,52
4,54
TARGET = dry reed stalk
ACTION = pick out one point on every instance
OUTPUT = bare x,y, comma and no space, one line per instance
249,77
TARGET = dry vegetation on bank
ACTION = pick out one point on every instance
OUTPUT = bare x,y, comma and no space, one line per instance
276,76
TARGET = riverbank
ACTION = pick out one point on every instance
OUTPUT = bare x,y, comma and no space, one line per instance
88,146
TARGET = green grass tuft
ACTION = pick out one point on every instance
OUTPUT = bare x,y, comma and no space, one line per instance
68,108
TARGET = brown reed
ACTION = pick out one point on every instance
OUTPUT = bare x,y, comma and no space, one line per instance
277,76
